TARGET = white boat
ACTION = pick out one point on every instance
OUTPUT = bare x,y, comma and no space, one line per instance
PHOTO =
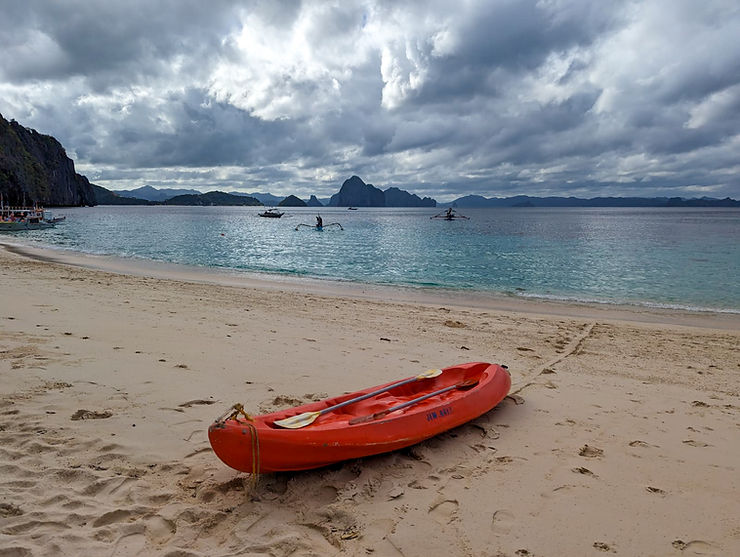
53,219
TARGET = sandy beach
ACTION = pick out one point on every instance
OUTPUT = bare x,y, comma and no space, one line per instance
621,434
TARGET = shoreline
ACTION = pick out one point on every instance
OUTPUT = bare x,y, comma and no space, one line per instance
703,318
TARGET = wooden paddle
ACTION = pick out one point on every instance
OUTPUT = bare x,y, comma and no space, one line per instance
307,418
370,417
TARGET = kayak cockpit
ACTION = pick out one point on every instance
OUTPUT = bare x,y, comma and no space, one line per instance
392,398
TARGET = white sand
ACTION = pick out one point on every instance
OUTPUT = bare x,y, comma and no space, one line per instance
625,439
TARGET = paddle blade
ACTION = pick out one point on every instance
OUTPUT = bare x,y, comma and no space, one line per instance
428,374
298,421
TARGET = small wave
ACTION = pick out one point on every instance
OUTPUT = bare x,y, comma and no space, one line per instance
645,304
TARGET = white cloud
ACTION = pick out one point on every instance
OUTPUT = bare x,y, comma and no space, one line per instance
292,69
717,107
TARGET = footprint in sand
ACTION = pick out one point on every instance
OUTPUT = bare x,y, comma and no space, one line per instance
133,543
591,452
584,471
695,547
119,515
638,443
502,522
655,490
159,530
566,422
444,510
601,546
693,443
90,415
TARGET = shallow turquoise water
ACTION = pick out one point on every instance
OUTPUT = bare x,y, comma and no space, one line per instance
684,258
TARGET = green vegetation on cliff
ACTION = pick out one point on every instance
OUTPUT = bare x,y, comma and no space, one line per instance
34,168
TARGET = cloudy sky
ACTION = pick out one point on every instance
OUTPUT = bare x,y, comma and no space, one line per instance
446,98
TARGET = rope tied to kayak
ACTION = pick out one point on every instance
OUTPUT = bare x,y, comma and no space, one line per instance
254,437
232,414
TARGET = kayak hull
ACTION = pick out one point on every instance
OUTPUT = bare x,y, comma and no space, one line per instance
258,445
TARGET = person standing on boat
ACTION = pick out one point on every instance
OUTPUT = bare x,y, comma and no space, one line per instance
319,222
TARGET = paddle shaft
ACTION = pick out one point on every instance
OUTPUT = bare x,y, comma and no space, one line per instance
369,395
376,415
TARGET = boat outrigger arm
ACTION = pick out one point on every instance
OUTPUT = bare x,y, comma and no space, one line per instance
320,227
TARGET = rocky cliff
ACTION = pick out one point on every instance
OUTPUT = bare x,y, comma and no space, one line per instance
35,168
395,197
314,202
356,193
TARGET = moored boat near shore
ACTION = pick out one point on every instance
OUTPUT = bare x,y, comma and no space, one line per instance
367,422
54,219
23,218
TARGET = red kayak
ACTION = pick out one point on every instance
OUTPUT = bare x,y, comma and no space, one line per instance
372,421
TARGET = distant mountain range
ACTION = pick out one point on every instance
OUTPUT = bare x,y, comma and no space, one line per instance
161,195
108,197
212,198
528,201
353,193
34,168
150,193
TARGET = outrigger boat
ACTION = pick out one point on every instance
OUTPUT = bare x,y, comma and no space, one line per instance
449,214
23,218
319,226
367,422
271,214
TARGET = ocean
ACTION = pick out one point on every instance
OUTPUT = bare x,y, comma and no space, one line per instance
683,258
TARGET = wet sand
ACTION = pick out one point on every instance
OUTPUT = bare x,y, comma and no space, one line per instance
620,437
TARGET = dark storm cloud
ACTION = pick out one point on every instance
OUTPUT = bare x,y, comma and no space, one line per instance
504,39
548,97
